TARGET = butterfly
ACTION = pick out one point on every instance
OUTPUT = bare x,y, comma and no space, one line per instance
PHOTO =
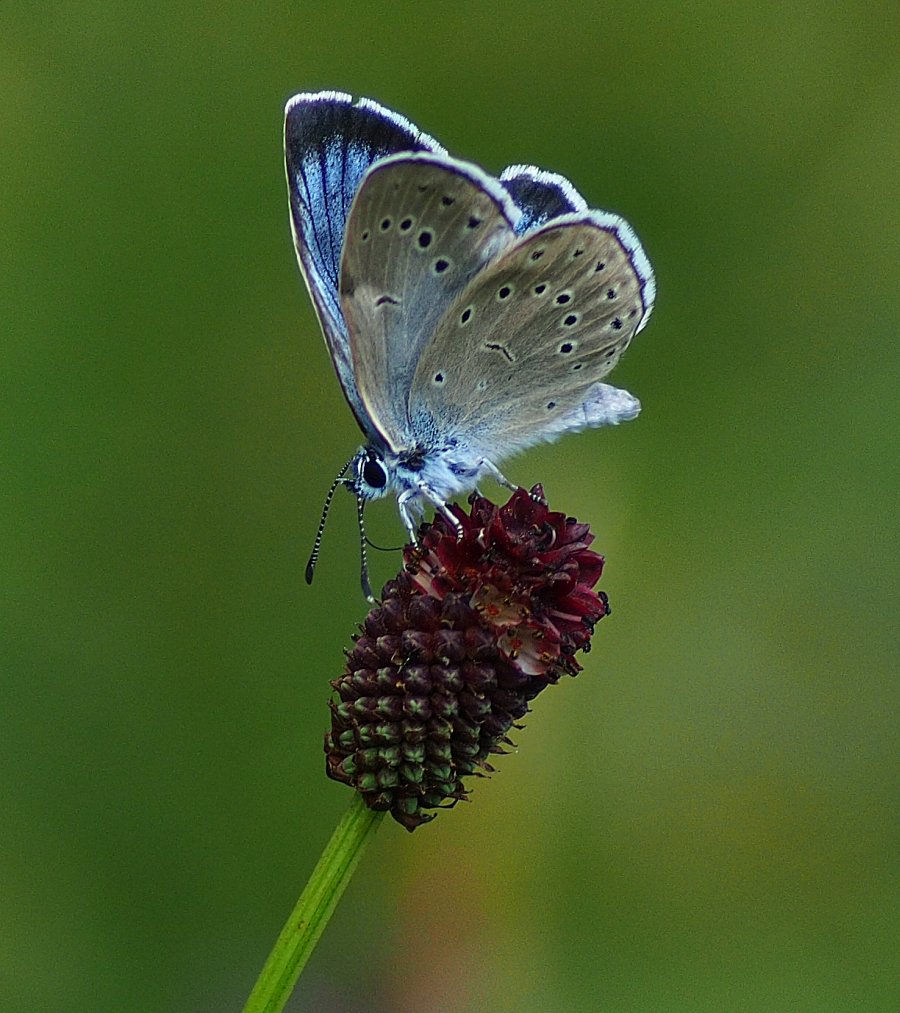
467,316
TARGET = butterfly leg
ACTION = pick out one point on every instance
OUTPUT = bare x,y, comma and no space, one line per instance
497,474
485,465
443,507
405,499
403,504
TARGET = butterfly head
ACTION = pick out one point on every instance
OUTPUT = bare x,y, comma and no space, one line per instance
370,476
367,476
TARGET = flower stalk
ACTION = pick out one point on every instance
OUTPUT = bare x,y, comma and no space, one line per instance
313,910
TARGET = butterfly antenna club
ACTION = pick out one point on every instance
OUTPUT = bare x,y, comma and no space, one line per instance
363,554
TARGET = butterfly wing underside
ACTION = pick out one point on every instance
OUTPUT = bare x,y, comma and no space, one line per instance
519,356
420,229
330,142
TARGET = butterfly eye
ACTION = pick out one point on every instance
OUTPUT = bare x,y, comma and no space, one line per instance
563,298
374,474
425,239
616,324
406,224
570,320
441,265
537,254
385,224
504,292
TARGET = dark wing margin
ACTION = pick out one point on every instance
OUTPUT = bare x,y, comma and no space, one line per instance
330,141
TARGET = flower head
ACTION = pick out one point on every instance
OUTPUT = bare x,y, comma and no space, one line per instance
478,623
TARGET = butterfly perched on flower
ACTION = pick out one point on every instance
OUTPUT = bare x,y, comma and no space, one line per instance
467,316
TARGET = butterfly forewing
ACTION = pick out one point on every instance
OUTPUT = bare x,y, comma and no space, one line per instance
420,229
518,356
330,142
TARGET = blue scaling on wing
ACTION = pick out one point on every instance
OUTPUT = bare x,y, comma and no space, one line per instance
540,195
330,142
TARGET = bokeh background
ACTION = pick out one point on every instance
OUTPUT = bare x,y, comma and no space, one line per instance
706,818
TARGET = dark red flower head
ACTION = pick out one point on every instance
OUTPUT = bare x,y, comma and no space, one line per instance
463,639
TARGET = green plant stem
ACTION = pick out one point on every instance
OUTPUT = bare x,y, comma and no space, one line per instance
313,910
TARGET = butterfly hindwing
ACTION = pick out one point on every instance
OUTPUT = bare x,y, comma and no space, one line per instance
540,195
421,228
519,355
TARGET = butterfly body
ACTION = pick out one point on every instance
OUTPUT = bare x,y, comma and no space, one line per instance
467,316
433,473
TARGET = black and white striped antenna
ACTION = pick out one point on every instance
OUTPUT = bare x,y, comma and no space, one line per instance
317,544
363,556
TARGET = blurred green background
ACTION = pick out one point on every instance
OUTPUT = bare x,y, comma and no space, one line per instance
706,818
